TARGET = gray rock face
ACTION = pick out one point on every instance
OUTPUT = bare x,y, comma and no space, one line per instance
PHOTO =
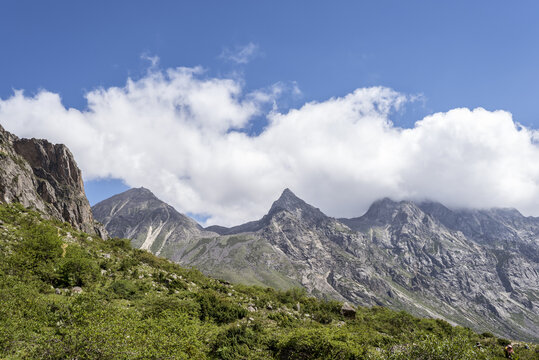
476,268
44,176
150,223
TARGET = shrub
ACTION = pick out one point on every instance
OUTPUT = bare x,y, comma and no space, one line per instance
319,343
124,289
292,296
77,268
160,306
121,244
283,319
128,263
435,348
36,254
240,342
218,309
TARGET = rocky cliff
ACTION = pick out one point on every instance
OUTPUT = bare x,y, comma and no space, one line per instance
477,268
44,176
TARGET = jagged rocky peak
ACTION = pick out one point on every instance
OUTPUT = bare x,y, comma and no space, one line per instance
385,211
131,203
437,210
46,177
382,209
150,223
140,195
288,201
141,192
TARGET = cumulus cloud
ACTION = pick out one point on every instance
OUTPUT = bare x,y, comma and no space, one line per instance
180,134
241,54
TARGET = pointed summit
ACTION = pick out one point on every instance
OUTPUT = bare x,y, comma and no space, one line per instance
287,201
150,223
382,209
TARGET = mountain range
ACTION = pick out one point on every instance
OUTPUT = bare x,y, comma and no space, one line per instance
69,290
476,268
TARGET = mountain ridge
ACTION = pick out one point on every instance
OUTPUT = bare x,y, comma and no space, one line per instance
395,255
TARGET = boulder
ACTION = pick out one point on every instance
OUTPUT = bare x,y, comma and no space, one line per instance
348,311
76,290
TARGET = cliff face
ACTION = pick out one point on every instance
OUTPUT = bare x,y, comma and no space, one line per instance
45,176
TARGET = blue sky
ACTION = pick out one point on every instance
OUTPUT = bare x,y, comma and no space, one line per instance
454,54
458,53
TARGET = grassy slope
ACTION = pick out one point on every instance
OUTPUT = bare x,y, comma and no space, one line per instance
134,305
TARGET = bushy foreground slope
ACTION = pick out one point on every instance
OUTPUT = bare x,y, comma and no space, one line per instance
67,295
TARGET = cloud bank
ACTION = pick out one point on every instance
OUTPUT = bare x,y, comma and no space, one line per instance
179,134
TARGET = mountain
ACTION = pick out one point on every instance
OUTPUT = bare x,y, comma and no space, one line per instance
289,202
420,257
44,176
150,223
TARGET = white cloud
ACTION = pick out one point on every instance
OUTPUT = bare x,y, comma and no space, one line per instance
153,60
241,54
174,132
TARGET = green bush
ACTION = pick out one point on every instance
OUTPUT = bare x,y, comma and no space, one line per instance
283,320
487,334
434,348
125,289
119,244
128,263
37,252
77,268
240,342
292,296
319,343
219,309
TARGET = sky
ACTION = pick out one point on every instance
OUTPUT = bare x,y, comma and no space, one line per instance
218,106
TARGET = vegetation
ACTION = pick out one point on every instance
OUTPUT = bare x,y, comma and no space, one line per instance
67,295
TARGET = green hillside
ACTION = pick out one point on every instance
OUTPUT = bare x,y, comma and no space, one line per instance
67,295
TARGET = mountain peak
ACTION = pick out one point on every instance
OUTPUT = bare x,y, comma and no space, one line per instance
287,201
140,192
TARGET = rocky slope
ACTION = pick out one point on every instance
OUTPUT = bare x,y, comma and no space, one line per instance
471,267
151,224
44,176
